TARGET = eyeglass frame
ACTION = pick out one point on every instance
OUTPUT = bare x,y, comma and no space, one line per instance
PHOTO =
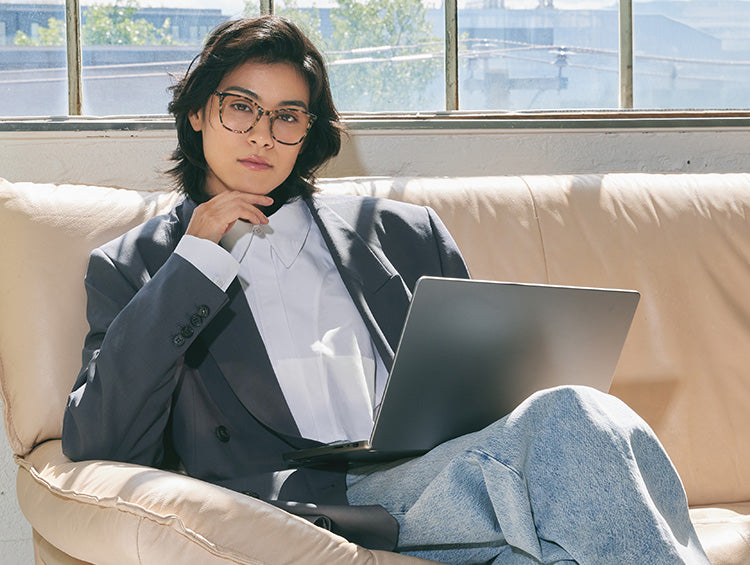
262,112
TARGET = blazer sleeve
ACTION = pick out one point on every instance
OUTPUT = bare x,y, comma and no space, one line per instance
140,327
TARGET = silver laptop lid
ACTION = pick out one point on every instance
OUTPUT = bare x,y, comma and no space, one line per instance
471,351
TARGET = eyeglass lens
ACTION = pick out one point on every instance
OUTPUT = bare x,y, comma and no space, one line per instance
240,114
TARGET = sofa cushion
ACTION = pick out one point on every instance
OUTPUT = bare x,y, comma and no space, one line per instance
492,219
724,532
683,241
107,512
47,232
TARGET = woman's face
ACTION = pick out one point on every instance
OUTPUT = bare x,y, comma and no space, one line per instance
252,162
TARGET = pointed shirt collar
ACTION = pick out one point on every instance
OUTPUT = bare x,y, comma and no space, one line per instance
286,233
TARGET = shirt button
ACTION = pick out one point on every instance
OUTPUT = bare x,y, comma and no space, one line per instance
257,230
203,311
178,340
186,331
222,434
196,320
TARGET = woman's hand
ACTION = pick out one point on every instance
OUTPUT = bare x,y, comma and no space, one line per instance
212,219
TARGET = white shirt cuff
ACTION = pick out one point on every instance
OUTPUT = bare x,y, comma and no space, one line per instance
210,259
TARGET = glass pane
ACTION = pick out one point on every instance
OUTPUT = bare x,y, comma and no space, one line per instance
132,49
32,59
691,55
538,54
383,55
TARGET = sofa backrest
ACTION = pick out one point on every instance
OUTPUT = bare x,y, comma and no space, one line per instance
47,233
683,241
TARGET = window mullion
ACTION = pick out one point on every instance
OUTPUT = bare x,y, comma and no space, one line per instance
626,54
74,56
451,55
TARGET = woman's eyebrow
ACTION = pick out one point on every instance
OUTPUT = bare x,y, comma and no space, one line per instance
249,93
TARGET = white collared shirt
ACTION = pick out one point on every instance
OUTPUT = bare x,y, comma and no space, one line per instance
326,363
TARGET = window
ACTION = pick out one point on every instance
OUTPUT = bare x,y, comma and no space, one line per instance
32,60
392,55
693,54
131,52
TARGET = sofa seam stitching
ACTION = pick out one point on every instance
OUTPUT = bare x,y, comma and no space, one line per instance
10,428
138,540
538,227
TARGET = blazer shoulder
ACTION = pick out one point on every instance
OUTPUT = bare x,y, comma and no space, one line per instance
164,230
356,207
150,243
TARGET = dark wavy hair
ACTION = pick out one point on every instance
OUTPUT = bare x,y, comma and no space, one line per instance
267,39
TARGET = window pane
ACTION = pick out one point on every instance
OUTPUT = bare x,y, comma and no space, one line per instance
538,54
691,55
32,59
132,49
383,55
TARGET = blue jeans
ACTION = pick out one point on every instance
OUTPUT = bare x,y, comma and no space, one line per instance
571,476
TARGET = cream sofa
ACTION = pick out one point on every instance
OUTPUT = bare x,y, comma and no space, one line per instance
682,240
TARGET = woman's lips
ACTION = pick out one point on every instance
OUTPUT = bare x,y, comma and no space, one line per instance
255,163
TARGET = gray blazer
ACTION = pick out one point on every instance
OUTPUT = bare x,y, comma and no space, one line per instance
175,369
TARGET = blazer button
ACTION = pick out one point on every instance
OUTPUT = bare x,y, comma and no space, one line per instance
203,311
222,434
186,331
196,320
178,340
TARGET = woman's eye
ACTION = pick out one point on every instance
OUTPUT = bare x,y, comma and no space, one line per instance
287,116
242,107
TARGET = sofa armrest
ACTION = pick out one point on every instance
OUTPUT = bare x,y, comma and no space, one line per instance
109,512
724,532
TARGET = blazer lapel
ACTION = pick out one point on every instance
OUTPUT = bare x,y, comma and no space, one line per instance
378,291
236,345
233,340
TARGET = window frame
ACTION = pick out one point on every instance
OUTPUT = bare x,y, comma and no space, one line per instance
452,117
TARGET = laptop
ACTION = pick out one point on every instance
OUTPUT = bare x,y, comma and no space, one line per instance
471,351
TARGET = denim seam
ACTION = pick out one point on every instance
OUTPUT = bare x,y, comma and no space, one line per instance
496,460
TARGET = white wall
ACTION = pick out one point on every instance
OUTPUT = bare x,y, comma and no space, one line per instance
136,159
15,532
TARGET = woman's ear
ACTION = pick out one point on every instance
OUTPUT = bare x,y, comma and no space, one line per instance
196,119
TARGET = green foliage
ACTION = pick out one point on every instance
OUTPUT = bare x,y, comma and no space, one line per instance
105,24
53,34
115,24
22,39
378,53
395,38
308,20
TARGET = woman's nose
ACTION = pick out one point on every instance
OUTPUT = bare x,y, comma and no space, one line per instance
261,132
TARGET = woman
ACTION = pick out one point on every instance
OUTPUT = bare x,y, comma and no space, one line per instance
257,317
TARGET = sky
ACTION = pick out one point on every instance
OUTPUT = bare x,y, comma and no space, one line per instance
234,7
230,6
